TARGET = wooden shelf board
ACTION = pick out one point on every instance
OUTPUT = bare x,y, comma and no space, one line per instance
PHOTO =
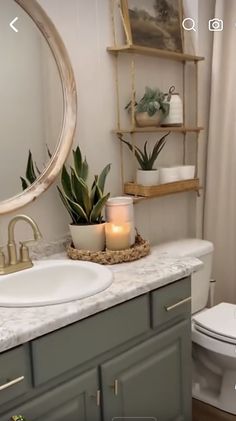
153,129
170,55
147,192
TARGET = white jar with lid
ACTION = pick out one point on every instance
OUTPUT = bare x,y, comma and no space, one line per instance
120,210
175,115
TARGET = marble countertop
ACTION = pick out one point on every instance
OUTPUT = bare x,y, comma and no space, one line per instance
20,325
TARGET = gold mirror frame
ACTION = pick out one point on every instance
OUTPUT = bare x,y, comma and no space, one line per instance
47,28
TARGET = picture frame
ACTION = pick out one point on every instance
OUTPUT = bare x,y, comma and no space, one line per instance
154,23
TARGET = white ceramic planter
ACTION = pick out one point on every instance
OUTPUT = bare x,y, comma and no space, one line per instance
186,172
144,119
148,178
168,174
88,237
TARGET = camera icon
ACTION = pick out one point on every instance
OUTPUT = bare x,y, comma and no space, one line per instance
216,25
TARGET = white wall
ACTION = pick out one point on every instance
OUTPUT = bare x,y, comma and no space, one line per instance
85,27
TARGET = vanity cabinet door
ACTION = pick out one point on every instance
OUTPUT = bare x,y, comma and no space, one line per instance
151,380
75,400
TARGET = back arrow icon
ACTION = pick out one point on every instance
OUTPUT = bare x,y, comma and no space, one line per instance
12,24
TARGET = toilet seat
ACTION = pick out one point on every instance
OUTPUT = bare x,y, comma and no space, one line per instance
218,322
215,335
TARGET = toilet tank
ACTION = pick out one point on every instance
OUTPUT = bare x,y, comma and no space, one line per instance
201,249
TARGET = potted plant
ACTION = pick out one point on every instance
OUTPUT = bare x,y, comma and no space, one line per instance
151,109
84,204
147,175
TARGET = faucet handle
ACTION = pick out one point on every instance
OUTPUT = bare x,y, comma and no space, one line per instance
24,250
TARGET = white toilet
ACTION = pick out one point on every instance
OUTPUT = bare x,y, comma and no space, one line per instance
213,332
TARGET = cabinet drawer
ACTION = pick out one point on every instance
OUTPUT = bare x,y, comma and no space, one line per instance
69,347
73,400
171,302
15,377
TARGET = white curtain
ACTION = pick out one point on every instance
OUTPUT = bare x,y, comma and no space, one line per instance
220,204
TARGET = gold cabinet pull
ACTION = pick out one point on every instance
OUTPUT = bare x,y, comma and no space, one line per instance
97,397
179,303
114,386
11,383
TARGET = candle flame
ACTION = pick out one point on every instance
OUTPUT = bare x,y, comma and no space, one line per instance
117,228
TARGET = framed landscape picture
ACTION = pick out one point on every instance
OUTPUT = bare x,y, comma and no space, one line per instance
154,23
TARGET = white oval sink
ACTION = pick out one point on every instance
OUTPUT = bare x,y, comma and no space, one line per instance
53,282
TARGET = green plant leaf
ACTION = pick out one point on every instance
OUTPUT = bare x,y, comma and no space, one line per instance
84,170
102,177
96,193
37,169
145,151
78,209
30,172
24,183
76,188
97,209
159,145
66,183
83,194
138,153
67,206
77,157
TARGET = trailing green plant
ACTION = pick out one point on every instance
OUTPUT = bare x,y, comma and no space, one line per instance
32,171
152,101
83,203
146,159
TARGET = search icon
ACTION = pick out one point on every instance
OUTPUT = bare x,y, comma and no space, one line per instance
189,24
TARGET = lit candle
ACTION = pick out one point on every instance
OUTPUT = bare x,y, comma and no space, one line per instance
120,210
118,237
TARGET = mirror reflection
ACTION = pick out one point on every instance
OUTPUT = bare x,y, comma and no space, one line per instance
31,105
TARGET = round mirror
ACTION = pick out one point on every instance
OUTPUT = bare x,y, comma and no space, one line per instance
38,103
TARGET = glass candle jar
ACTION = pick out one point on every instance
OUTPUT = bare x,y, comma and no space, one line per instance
118,236
120,210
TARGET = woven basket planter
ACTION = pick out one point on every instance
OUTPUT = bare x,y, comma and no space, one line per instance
140,249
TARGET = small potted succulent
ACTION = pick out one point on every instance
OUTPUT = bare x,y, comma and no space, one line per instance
147,175
151,109
84,204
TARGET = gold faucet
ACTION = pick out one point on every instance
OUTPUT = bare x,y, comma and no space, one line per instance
24,262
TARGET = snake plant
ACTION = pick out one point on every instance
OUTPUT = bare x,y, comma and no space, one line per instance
32,171
146,160
83,203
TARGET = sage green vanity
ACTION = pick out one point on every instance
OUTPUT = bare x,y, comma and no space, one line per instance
131,360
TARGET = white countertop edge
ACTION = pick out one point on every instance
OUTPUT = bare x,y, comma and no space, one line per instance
20,325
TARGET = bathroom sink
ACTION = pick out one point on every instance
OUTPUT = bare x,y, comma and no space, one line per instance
53,282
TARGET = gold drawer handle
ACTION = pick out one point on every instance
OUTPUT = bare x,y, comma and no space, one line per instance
114,386
185,300
11,383
97,397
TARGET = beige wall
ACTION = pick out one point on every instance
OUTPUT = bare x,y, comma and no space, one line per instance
86,29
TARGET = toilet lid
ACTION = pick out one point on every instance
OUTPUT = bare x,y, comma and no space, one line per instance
218,322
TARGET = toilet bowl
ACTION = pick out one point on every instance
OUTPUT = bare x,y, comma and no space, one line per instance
214,356
213,332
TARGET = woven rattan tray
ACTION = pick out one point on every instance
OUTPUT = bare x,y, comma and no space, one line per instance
140,249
